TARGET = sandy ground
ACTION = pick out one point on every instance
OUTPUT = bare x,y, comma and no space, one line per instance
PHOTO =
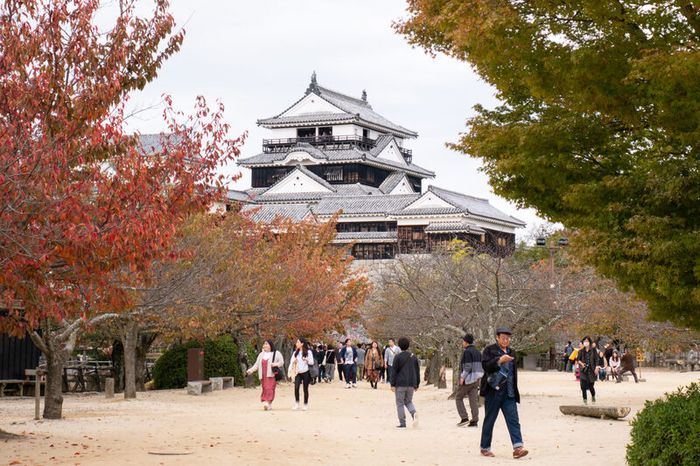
341,426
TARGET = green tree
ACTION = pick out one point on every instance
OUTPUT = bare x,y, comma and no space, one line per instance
598,127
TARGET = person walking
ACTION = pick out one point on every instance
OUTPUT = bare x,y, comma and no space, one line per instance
349,356
405,381
373,364
318,357
588,362
361,353
265,364
499,386
568,349
339,361
302,358
330,364
389,355
471,371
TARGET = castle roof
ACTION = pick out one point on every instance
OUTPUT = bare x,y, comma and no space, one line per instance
347,109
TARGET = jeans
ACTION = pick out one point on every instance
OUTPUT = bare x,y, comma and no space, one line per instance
350,373
389,374
304,378
495,402
341,371
404,397
321,372
470,391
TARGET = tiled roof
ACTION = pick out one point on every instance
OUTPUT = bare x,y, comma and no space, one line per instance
241,196
366,236
151,143
266,213
344,155
453,227
429,211
362,205
355,110
356,189
391,182
289,197
474,205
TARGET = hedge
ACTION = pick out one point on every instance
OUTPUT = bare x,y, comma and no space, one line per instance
667,430
220,359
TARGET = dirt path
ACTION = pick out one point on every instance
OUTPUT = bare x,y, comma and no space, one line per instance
341,425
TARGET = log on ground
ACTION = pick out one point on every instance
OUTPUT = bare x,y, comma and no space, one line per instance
601,412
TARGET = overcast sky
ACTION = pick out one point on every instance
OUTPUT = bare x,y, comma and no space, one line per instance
257,58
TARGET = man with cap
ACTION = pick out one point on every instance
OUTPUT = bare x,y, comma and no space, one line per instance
499,386
470,372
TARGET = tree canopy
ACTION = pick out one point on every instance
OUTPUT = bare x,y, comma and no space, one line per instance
599,126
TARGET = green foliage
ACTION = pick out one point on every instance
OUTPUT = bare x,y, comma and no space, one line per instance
666,431
599,127
220,359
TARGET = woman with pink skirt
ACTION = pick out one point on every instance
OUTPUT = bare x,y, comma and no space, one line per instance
268,359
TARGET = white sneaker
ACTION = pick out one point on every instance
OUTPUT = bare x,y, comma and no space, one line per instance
354,386
415,420
305,408
295,406
348,386
265,406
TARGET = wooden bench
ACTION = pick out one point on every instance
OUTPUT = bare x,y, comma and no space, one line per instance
18,384
199,386
30,379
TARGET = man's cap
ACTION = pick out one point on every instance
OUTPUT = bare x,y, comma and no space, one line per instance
505,330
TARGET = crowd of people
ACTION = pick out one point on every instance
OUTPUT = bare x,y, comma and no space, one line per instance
492,374
592,363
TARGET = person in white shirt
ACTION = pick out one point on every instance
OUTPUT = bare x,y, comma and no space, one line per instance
302,358
389,355
268,359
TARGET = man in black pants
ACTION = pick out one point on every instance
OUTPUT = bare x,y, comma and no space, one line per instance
405,380
469,378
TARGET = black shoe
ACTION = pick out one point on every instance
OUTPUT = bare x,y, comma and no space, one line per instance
473,424
401,426
462,423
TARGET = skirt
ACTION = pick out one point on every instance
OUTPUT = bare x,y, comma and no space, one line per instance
268,385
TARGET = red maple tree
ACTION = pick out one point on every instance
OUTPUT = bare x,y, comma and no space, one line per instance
86,209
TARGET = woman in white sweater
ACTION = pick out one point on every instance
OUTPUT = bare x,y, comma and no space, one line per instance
267,359
302,358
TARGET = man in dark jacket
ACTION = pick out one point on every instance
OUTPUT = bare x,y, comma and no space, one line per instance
499,386
405,380
470,373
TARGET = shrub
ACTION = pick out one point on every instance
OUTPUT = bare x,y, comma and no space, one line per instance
667,430
220,359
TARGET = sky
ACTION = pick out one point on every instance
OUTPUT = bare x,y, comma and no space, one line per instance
257,58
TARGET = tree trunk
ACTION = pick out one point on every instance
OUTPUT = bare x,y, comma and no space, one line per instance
57,344
144,346
601,412
130,335
53,400
455,380
434,368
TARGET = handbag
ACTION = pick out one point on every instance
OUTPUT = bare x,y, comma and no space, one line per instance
276,371
498,380
313,370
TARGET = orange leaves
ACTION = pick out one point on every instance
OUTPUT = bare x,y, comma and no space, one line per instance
86,209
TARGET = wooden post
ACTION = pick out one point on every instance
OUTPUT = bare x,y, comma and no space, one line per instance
37,395
109,387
